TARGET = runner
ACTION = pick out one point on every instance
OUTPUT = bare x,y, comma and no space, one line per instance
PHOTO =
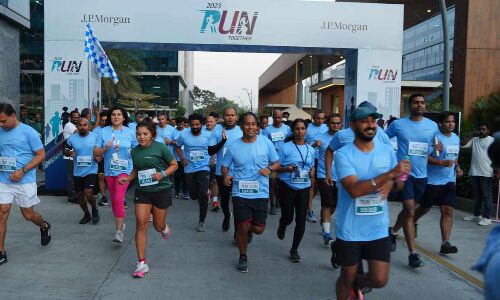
138,118
165,132
367,173
296,171
68,130
181,190
277,133
415,136
441,188
196,160
103,117
263,123
246,166
210,127
218,145
21,151
327,180
153,164
114,143
85,169
314,131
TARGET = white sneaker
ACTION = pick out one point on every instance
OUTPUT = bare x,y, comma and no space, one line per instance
118,236
484,222
472,218
141,269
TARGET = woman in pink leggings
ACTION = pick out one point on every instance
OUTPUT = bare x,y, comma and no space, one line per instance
114,143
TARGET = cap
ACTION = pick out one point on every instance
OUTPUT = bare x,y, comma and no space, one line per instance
362,113
369,105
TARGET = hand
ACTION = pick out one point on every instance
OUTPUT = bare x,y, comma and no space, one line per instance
459,172
311,173
109,144
167,141
123,180
98,159
497,173
385,189
318,143
329,180
447,163
265,172
291,168
224,137
438,147
403,167
228,180
72,153
16,176
184,162
95,111
157,176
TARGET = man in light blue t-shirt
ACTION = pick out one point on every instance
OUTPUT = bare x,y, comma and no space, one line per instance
246,166
442,173
415,136
21,151
81,149
367,172
196,162
180,185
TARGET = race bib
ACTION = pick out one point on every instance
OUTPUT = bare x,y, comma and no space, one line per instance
369,205
7,164
146,177
248,187
119,165
277,136
84,161
418,149
452,152
196,156
300,176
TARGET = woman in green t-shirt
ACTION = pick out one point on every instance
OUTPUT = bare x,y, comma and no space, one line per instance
153,164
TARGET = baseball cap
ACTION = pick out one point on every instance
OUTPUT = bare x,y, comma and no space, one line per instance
362,113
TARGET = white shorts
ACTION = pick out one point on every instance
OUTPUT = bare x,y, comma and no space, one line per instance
25,195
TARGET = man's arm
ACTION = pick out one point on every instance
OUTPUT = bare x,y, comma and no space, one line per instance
328,164
38,159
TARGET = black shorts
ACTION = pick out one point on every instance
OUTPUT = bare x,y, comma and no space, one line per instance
329,194
161,199
439,195
316,168
212,172
250,211
350,253
413,190
84,183
100,167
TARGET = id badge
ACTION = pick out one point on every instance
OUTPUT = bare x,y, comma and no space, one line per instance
114,157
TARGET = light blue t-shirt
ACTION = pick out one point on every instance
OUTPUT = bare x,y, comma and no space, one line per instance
132,126
414,140
231,135
16,151
365,218
84,163
325,143
346,136
195,150
97,130
438,175
277,135
313,133
289,155
167,132
126,140
244,161
177,134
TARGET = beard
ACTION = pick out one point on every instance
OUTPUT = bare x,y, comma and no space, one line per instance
82,132
359,134
195,130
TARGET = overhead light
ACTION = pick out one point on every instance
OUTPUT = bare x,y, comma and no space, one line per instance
324,87
341,57
301,62
429,10
310,56
157,87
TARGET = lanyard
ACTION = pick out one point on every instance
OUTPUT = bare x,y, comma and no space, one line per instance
302,157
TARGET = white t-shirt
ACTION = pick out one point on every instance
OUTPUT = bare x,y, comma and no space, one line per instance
480,162
68,130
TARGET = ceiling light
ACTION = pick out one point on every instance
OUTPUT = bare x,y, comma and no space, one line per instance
341,57
429,10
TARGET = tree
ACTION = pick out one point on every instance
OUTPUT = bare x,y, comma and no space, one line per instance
207,101
180,112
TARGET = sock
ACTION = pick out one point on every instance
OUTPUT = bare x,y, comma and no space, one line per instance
215,199
413,252
326,227
393,232
444,242
142,260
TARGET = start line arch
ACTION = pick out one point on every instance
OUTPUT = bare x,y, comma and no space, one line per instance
370,36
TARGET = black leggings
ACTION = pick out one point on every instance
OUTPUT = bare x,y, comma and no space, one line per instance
180,180
198,183
291,200
225,194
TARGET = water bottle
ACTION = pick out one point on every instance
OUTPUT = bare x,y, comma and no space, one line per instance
403,177
436,142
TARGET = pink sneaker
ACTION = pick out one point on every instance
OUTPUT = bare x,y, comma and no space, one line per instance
141,269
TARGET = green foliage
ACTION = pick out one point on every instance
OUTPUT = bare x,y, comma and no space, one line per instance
436,105
487,110
207,101
180,112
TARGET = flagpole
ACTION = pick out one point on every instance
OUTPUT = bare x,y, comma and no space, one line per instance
88,85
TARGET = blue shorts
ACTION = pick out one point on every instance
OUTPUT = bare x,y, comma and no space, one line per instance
413,190
439,195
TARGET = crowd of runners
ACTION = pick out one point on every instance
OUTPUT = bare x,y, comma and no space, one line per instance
260,169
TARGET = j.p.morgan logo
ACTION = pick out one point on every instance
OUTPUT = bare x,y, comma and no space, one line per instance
340,26
98,18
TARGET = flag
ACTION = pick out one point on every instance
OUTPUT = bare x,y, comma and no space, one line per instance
96,54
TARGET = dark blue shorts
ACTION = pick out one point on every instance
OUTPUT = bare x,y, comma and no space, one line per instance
413,190
439,195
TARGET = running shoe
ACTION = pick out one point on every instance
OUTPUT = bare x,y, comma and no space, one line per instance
327,238
215,206
447,248
394,238
125,204
95,216
294,256
150,217
185,196
177,196
119,235
45,234
225,223
165,234
272,210
356,293
3,257
484,222
415,261
472,218
201,227
86,218
72,201
311,218
103,201
281,232
243,264
141,269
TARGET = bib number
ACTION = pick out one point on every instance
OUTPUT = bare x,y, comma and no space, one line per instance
452,152
84,161
196,156
146,177
300,176
418,149
119,165
277,136
7,164
248,187
369,205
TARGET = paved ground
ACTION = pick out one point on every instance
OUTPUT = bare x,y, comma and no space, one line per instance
83,263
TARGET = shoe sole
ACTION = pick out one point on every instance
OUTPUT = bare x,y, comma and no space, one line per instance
243,271
138,274
294,260
117,241
416,267
448,252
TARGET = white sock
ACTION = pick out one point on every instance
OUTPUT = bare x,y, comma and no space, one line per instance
215,199
326,227
393,232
